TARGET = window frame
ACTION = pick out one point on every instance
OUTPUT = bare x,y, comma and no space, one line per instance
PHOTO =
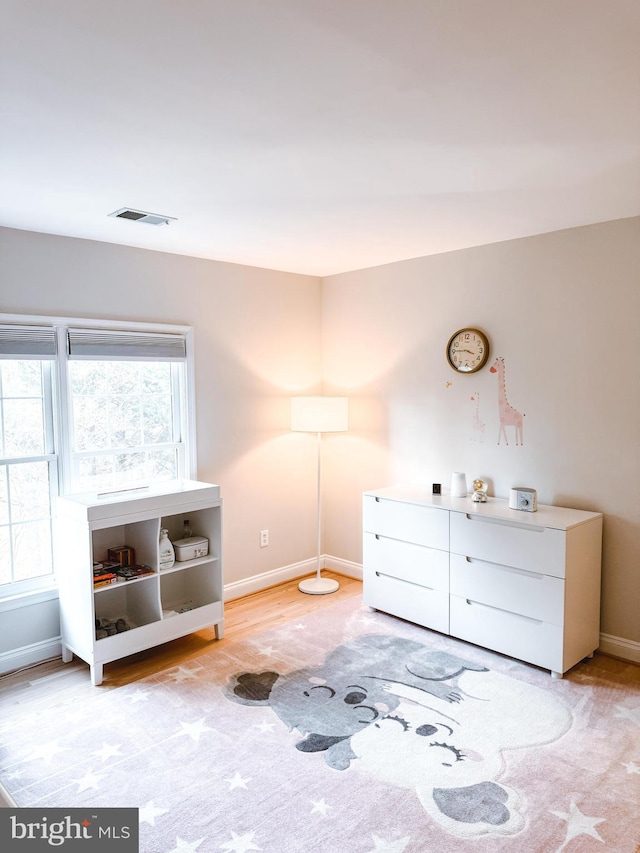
59,427
50,458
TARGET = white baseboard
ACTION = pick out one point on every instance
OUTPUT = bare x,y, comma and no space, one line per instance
290,572
256,583
30,655
342,567
618,647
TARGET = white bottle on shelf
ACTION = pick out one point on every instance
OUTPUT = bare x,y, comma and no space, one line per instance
167,554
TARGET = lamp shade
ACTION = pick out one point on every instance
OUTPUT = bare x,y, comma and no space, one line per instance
319,414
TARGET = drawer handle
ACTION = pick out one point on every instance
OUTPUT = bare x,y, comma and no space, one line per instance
532,528
502,610
512,569
402,580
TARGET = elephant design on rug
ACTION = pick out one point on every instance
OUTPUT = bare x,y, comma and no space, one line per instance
329,703
415,717
451,757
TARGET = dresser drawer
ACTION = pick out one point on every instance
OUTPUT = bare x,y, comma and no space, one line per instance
518,590
531,640
421,525
405,561
510,543
426,607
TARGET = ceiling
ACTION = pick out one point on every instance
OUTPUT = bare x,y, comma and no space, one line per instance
318,136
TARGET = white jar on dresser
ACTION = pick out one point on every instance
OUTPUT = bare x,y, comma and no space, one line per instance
523,584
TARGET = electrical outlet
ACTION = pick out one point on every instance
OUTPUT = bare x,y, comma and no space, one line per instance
264,538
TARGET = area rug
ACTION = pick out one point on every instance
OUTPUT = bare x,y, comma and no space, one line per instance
348,731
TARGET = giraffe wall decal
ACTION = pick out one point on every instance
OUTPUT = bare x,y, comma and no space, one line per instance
477,424
509,416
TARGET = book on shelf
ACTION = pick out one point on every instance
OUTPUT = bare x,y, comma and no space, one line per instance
130,573
104,580
104,566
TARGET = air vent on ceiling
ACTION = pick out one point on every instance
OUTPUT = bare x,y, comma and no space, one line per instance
142,216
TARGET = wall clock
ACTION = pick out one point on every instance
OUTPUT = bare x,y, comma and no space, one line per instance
468,350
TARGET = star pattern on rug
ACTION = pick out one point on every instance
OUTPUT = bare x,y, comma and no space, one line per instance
266,650
107,751
149,757
183,674
139,696
194,730
382,845
13,774
578,824
240,843
320,807
632,714
183,846
149,813
89,781
47,751
238,781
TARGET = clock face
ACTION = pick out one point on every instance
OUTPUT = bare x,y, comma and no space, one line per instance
468,350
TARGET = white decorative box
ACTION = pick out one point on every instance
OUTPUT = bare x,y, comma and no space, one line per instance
189,549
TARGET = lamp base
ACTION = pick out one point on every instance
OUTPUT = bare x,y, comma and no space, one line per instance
318,586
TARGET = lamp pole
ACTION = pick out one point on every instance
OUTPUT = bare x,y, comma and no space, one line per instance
319,414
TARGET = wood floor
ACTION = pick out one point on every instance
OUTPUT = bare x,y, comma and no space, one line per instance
243,618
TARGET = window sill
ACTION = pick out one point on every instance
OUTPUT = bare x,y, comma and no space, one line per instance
27,599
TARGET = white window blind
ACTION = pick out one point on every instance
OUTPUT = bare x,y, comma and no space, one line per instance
125,346
27,342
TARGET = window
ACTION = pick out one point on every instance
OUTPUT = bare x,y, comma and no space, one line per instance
88,409
127,408
28,464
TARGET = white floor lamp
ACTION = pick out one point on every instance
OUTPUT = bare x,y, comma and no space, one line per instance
319,414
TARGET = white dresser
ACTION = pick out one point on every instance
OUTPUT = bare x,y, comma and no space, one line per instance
524,584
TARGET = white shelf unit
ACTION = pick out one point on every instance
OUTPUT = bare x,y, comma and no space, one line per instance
158,607
523,584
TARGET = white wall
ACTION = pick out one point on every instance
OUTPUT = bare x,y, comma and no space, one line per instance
257,341
563,310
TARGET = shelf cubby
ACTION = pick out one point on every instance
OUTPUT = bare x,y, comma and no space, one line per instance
157,607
